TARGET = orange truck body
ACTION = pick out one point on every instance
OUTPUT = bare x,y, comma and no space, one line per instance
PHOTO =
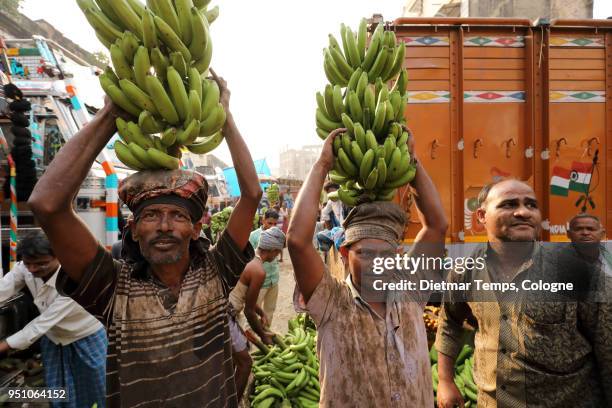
491,98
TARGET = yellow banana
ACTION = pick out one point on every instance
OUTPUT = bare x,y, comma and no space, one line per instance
370,182
123,153
379,118
362,34
367,164
346,163
162,159
129,45
162,100
122,130
353,56
149,33
348,124
337,101
178,93
212,124
326,123
141,155
356,153
372,51
195,105
178,62
200,36
406,178
170,38
329,103
118,97
168,138
138,137
120,63
379,64
190,134
382,172
207,144
361,86
160,63
340,62
212,14
127,16
398,61
148,124
371,142
142,66
183,12
137,96
360,136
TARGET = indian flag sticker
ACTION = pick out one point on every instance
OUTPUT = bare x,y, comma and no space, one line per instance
580,177
560,181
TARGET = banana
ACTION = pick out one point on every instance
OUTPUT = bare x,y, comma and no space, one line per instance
346,163
372,51
195,83
207,144
371,142
396,130
347,198
396,101
406,178
361,86
178,93
212,124
369,99
379,64
322,134
355,107
118,97
382,172
326,123
344,42
201,3
356,153
87,4
388,64
183,12
389,148
148,124
102,25
398,61
178,62
137,96
123,153
158,144
348,124
162,100
362,34
142,67
332,74
168,138
203,63
337,167
379,118
120,63
168,13
370,182
110,74
333,42
160,63
321,103
127,16
394,165
162,159
385,196
137,6
129,45
170,38
389,116
190,134
337,178
108,11
336,71
354,79
122,130
212,14
345,141
367,118
360,136
152,5
149,33
340,62
200,34
379,85
195,105
403,139
354,57
337,144
211,97
141,155
105,41
137,136
391,39
383,95
367,164
337,101
328,96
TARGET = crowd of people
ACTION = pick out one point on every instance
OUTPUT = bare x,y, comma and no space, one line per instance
166,321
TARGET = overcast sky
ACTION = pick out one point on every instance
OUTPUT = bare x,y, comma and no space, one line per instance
270,52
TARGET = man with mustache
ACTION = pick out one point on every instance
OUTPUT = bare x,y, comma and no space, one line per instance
530,350
165,303
586,233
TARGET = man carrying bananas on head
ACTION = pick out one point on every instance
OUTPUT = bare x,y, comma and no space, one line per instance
165,303
372,353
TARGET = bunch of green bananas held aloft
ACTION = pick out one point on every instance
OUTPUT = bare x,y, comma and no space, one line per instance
161,53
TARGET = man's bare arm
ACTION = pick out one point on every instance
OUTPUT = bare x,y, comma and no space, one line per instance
52,197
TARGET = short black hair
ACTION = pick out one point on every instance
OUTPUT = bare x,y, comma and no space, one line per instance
582,216
271,214
34,244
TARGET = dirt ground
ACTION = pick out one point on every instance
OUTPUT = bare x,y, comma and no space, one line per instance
284,306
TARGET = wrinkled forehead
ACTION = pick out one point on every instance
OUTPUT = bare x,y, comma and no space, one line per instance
511,190
585,222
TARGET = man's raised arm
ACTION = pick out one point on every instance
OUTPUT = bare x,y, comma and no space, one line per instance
51,199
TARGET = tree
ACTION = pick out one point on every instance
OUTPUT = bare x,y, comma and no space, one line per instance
101,58
10,6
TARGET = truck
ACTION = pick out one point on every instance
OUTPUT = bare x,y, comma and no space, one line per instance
493,98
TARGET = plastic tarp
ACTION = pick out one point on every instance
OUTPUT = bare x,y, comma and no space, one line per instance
231,179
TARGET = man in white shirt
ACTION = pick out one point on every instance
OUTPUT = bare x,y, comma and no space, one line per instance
73,342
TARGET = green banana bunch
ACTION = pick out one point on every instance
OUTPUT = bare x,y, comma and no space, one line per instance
273,193
287,373
372,158
160,53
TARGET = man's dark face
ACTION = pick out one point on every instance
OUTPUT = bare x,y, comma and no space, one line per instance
511,213
361,257
42,266
163,232
268,223
586,231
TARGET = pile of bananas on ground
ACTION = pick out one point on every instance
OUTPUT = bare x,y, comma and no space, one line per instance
273,193
464,374
372,157
430,318
287,374
161,53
